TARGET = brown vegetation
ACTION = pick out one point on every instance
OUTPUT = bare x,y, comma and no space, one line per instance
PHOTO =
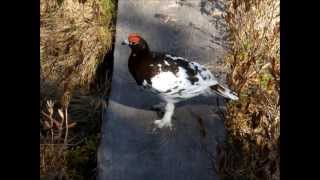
253,123
74,38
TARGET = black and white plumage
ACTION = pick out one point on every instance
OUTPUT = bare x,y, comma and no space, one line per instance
173,78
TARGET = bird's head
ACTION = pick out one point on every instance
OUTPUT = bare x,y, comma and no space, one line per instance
136,43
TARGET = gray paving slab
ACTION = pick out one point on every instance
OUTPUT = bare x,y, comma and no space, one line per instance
128,148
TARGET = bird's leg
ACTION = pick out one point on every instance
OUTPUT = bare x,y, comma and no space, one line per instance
159,106
166,119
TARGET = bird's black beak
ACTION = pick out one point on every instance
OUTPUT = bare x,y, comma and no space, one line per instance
125,42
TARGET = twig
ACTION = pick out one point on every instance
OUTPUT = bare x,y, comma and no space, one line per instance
51,129
67,128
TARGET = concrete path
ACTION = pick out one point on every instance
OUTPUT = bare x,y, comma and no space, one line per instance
128,149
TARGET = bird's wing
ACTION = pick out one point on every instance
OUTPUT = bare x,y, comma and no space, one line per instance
179,78
195,71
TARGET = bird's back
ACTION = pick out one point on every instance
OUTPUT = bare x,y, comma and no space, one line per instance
174,78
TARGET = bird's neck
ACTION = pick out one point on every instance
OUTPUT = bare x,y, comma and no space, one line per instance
140,57
140,53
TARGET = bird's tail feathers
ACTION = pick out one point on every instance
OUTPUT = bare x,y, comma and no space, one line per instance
225,92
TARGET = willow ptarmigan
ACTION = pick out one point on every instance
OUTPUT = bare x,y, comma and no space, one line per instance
173,78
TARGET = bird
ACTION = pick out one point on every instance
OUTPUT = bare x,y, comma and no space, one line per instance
170,77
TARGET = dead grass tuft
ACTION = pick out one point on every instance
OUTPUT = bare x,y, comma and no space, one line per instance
74,38
54,142
253,122
52,164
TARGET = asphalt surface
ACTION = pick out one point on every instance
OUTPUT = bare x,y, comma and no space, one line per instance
129,150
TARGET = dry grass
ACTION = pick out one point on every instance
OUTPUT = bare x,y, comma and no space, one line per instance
53,145
253,122
74,38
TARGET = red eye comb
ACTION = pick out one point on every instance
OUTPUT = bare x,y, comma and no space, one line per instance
134,37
